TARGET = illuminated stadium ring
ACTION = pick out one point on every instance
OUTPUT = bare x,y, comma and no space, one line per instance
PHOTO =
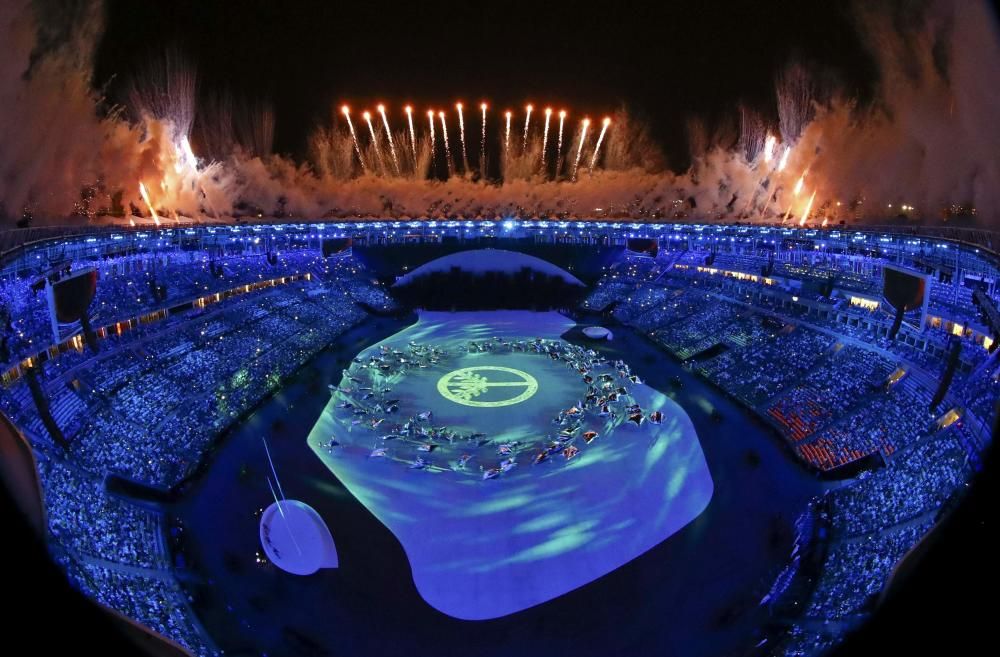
460,386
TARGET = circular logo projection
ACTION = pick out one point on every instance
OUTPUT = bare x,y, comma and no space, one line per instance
497,386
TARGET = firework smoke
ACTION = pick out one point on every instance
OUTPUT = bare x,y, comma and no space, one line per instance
926,141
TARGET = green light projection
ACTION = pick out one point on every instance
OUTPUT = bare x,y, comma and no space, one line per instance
460,386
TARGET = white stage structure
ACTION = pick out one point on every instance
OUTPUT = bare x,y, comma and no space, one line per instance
598,333
293,534
296,539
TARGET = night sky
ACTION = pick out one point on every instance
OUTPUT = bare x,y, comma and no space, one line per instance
665,60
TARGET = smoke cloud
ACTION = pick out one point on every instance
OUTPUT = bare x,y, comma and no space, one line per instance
922,149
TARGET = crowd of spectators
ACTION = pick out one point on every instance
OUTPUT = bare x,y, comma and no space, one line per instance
856,570
889,420
768,363
131,285
824,382
150,403
86,519
801,642
829,390
819,377
148,408
914,484
154,599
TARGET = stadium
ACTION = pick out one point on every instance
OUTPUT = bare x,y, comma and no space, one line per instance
501,426
356,329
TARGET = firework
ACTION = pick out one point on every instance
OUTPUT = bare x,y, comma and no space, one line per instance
798,185
545,133
482,142
769,145
189,154
796,92
597,149
430,121
770,197
805,213
354,137
413,134
461,136
784,159
527,121
562,119
579,150
145,197
752,133
506,137
388,135
447,146
371,130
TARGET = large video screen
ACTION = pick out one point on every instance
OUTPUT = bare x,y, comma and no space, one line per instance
643,246
336,245
903,288
70,297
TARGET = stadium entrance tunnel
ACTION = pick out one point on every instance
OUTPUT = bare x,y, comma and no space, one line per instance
489,279
583,261
512,466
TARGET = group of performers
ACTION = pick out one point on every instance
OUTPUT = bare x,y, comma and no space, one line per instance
366,405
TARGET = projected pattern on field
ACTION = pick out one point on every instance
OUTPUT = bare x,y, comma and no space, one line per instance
513,467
